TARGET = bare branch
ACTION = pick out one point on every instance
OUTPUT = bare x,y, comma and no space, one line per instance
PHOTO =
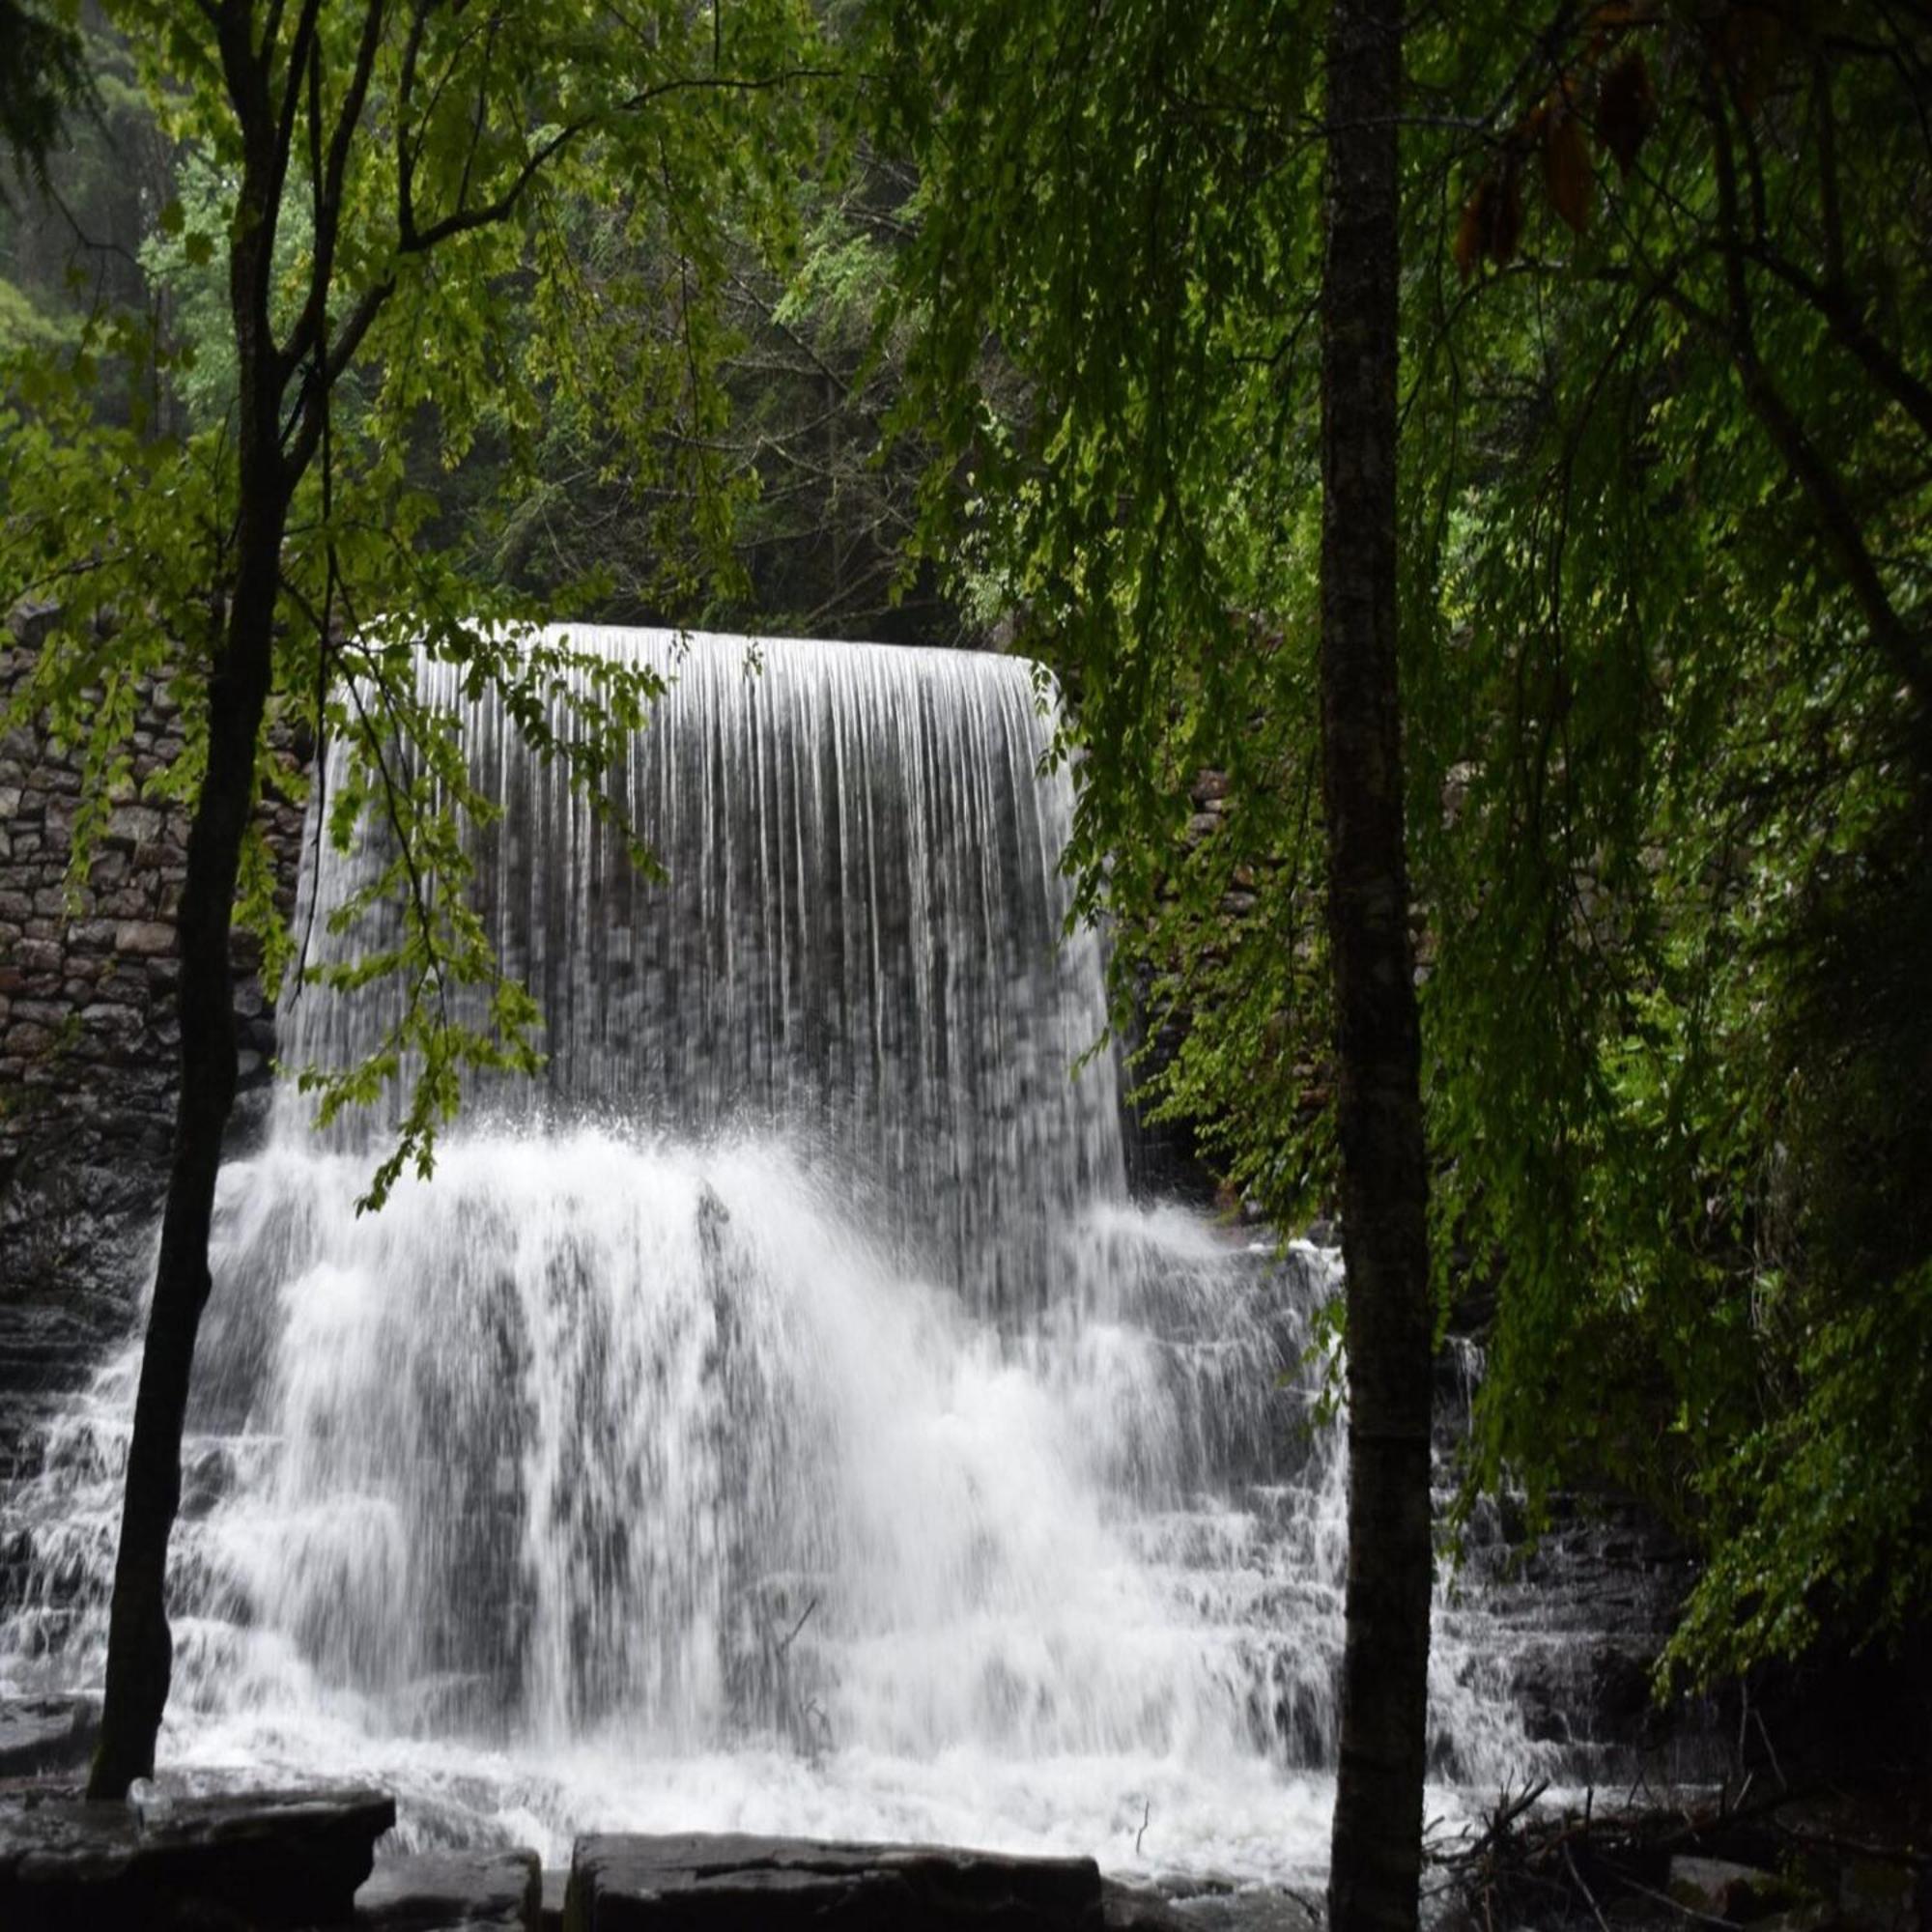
310,323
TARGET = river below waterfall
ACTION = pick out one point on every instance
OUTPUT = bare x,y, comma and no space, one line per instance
780,1418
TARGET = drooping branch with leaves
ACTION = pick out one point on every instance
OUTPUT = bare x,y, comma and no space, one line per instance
1663,595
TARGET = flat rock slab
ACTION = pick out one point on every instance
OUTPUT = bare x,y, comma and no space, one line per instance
42,1734
1184,1905
732,1884
435,1891
1719,1889
254,1859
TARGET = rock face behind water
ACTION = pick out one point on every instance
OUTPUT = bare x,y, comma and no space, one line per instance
47,1734
89,1032
732,1883
265,1860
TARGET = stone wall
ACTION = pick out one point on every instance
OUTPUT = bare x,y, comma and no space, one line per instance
88,1037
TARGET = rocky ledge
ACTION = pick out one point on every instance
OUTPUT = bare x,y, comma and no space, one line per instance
732,1883
39,1735
453,1892
261,1859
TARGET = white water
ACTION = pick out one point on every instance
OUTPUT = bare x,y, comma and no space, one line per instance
802,1432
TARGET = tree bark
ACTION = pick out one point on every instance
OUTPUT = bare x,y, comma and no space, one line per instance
140,1651
1375,1856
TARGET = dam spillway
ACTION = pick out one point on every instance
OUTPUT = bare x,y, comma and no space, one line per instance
775,1414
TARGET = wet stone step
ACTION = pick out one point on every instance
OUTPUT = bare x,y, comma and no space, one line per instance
453,1892
261,1859
734,1883
47,1734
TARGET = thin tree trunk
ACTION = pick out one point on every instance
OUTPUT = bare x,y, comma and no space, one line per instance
1375,1858
140,1651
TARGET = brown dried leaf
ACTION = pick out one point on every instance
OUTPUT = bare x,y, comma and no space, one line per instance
1491,221
1470,248
1567,174
1626,107
1506,224
1752,42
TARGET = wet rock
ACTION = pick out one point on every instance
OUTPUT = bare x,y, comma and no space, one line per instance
1196,1904
44,1734
144,936
1880,1894
72,1251
1127,1908
1721,1888
259,1860
439,1891
733,1883
1817,1917
131,825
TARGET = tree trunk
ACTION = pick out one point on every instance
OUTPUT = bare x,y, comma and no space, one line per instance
1375,1858
139,1649
140,1652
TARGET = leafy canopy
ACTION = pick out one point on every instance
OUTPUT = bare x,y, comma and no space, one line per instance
1665,616
370,254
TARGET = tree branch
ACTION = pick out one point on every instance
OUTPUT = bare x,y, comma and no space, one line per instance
1850,330
309,328
1902,649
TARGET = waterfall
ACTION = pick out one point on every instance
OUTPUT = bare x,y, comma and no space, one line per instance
777,1415
860,941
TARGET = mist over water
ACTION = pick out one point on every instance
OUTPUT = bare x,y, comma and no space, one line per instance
781,1419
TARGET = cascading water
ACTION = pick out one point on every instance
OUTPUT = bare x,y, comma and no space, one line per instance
781,1419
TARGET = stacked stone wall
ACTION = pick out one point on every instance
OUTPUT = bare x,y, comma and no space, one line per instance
88,1037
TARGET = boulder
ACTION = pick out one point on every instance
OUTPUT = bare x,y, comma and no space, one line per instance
44,1734
1128,1908
1880,1894
733,1883
1201,1904
254,1859
437,1891
1722,1889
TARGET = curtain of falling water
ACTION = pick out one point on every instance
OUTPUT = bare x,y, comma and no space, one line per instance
783,1402
861,941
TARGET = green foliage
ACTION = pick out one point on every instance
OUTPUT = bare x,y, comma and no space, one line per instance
420,295
42,78
1106,301
1820,1514
22,323
1667,730
1666,614
185,260
818,508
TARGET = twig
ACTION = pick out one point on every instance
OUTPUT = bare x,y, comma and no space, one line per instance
1676,1904
1890,1855
1770,1749
1589,1896
1506,1813
1147,1812
785,1642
